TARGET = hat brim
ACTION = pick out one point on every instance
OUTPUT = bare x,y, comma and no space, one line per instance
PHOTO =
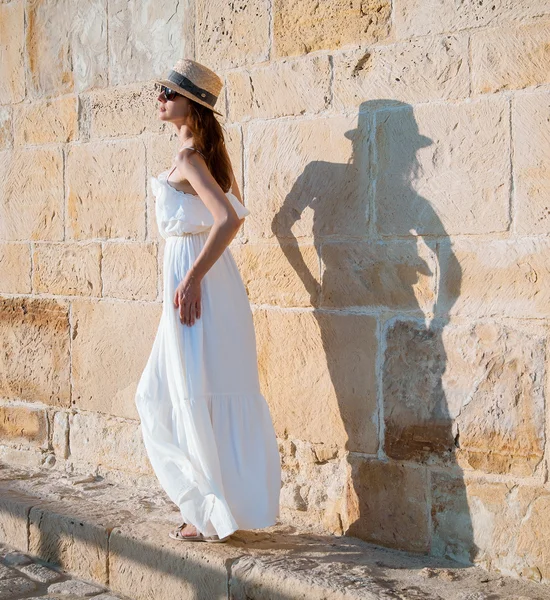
185,93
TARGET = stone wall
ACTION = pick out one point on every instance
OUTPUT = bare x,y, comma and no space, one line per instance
394,159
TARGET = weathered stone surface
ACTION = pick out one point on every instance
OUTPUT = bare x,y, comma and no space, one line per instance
423,17
73,534
40,573
114,443
314,478
122,111
47,121
15,268
387,504
495,278
286,275
295,192
73,586
67,269
530,117
12,45
66,44
468,394
382,75
109,353
14,509
286,87
31,194
398,275
327,392
14,587
6,136
144,43
455,193
231,35
507,58
34,336
60,435
472,519
145,562
106,190
130,270
23,425
306,26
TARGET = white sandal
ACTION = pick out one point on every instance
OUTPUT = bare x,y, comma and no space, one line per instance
175,534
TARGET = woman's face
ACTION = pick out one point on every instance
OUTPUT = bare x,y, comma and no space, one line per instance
175,110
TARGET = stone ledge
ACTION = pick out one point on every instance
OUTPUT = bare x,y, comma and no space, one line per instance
118,537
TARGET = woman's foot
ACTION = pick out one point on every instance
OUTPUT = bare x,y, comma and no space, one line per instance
188,530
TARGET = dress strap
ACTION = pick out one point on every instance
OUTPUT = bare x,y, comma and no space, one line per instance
184,149
194,150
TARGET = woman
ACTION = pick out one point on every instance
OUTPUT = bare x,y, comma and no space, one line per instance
206,426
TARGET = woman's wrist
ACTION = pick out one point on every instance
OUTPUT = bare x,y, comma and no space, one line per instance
193,275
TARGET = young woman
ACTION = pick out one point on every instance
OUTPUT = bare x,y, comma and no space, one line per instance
206,427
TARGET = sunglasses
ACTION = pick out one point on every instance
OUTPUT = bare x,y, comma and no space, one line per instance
168,93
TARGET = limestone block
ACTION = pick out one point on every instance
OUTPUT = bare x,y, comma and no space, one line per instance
67,269
530,117
23,425
495,278
382,75
318,373
468,395
46,121
307,26
74,535
122,111
285,87
66,44
110,346
6,137
31,194
311,181
12,50
60,435
508,58
106,190
423,17
231,35
145,563
99,439
387,504
34,336
398,275
15,268
453,191
145,40
472,519
286,275
14,511
129,270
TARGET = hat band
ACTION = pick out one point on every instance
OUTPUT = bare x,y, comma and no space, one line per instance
188,85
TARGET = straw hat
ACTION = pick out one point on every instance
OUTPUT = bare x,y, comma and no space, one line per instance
195,81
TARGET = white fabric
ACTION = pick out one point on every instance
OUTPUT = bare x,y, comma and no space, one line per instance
206,426
178,212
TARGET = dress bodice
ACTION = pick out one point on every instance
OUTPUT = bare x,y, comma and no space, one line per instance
178,212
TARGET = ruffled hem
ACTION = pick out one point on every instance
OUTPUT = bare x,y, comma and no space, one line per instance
178,212
235,484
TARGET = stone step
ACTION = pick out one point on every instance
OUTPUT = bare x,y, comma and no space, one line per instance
115,536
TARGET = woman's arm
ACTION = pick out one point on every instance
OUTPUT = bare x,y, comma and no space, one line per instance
226,222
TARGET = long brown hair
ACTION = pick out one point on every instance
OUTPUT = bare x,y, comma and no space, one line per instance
209,139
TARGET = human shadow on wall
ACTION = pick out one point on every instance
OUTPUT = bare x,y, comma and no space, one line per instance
380,244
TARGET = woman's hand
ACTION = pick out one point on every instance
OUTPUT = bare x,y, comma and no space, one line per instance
188,298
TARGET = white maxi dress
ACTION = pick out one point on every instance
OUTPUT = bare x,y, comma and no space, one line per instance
206,426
